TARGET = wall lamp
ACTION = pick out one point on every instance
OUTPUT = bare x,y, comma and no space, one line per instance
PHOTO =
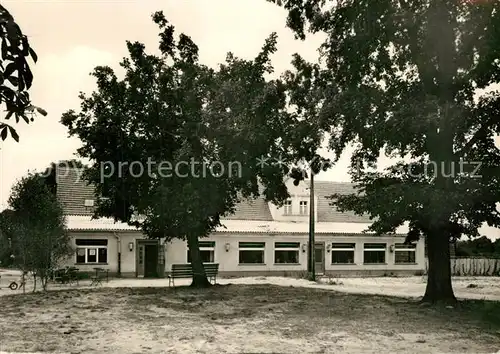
304,247
130,246
328,248
227,246
391,248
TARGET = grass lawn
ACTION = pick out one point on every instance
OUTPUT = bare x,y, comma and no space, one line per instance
240,319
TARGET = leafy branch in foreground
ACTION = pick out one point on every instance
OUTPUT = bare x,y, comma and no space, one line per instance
15,75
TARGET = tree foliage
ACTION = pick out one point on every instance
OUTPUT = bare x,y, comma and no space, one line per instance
36,226
6,235
400,76
478,247
173,111
15,75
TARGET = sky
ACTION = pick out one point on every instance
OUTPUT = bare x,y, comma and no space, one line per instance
72,37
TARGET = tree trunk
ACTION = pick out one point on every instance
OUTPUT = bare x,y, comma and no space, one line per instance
44,279
23,281
34,282
200,279
439,288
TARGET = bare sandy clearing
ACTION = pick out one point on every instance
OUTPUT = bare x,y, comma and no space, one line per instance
234,319
486,288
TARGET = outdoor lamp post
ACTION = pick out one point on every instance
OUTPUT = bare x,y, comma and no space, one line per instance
312,261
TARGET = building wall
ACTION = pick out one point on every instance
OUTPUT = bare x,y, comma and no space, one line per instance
297,194
176,252
279,213
128,259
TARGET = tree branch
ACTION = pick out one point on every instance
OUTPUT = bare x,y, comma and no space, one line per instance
480,132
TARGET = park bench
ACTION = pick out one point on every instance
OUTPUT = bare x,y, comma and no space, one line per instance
186,271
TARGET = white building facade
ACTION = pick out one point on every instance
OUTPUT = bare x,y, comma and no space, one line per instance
259,239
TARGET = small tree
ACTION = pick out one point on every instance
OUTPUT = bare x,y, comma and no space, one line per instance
15,74
7,234
41,238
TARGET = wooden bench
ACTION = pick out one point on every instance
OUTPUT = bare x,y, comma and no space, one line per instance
186,271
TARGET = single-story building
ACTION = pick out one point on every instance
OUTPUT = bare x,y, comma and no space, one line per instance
259,239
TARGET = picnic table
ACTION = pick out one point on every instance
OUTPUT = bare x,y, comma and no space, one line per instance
66,275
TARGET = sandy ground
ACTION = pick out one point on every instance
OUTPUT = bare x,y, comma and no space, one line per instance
252,315
486,288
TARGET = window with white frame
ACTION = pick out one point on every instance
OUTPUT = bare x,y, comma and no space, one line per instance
251,252
343,253
286,252
207,252
374,253
405,253
303,207
288,207
91,251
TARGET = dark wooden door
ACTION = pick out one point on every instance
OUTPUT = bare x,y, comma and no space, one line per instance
150,261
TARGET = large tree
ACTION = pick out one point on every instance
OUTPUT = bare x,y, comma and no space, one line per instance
174,112
15,75
399,76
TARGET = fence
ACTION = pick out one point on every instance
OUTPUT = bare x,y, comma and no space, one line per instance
473,266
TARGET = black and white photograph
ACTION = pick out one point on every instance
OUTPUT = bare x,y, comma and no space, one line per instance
249,176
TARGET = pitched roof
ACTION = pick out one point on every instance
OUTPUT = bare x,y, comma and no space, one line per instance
85,223
73,192
328,213
254,209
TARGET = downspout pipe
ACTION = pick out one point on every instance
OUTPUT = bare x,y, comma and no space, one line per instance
119,247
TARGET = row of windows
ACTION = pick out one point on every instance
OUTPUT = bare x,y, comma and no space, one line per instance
96,251
288,253
303,209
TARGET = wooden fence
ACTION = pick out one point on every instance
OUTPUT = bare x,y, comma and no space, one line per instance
473,266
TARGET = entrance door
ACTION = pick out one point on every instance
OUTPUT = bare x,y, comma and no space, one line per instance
140,259
319,258
150,261
147,258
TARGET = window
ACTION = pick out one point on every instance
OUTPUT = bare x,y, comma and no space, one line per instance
286,252
207,252
161,254
288,207
251,252
303,207
141,254
374,253
343,253
91,250
404,253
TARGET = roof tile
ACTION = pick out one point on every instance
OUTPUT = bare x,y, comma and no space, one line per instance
72,191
